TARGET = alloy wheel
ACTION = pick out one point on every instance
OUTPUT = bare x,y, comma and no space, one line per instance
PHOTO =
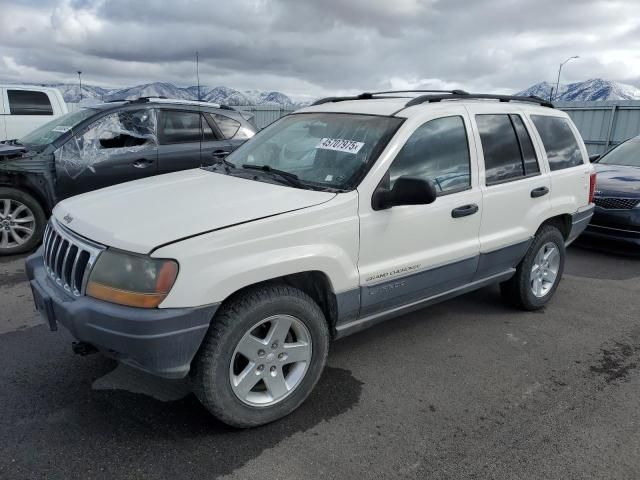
270,360
17,223
544,271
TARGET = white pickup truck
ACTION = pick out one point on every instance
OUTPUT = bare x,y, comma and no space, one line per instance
346,213
24,108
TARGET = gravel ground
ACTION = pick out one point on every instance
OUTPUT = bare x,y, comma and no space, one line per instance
465,389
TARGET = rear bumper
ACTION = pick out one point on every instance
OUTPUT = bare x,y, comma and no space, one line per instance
161,341
579,222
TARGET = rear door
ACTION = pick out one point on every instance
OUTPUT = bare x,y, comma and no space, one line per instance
3,113
27,110
118,147
515,186
188,140
567,159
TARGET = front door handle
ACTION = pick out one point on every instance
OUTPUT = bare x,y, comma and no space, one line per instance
142,163
539,192
465,210
220,153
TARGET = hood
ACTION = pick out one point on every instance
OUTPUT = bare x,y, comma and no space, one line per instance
617,181
141,215
10,151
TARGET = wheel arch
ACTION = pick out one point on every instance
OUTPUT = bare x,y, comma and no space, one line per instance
314,283
24,183
562,222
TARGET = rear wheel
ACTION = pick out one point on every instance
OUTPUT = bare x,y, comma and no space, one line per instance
22,221
263,355
539,273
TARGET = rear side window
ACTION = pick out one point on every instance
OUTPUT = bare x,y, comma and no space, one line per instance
508,151
559,142
228,126
436,151
26,102
180,126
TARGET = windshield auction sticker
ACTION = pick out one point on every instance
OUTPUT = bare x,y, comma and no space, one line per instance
340,145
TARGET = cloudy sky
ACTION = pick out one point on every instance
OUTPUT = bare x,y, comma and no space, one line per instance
316,47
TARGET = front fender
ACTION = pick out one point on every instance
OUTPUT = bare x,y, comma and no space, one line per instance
324,238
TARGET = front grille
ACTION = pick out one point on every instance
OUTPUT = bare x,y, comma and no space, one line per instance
613,203
68,258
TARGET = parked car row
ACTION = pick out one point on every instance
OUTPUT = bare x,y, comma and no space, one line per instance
105,145
346,213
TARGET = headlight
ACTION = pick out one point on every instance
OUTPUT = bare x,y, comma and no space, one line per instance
132,280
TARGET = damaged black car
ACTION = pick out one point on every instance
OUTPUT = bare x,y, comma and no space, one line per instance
103,145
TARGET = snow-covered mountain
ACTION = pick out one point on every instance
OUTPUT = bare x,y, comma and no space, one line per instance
590,90
221,95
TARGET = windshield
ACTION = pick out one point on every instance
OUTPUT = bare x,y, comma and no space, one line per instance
50,131
627,154
321,149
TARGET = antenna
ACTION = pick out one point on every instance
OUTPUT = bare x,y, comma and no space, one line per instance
201,118
198,74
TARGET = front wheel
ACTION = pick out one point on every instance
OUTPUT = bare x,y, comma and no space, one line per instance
22,221
539,273
264,353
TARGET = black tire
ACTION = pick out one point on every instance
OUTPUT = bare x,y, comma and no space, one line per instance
210,368
517,291
9,193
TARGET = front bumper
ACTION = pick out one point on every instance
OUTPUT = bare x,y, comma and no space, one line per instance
617,230
161,341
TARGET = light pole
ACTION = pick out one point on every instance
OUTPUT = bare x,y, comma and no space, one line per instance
560,70
80,80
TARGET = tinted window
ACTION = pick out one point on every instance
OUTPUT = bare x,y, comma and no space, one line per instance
25,102
180,127
507,147
228,126
437,151
526,146
559,141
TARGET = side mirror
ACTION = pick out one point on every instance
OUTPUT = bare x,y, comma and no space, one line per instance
594,158
406,191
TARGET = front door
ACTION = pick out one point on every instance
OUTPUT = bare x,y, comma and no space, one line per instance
116,148
187,140
408,253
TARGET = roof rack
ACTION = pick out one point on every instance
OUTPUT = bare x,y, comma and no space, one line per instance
433,96
473,96
385,94
147,99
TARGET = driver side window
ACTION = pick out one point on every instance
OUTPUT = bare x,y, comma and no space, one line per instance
438,151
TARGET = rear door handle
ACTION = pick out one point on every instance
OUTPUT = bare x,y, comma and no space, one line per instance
464,211
539,192
142,163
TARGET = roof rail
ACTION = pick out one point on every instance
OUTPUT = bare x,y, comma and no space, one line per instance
472,96
370,95
436,96
146,99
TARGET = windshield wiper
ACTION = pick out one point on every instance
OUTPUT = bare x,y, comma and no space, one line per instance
291,178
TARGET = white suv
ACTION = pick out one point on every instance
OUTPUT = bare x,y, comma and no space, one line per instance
346,213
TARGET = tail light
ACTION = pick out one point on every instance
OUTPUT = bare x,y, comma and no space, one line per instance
592,186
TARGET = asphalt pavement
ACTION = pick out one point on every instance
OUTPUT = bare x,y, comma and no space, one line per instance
469,388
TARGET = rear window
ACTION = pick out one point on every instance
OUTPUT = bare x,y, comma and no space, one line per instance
228,126
559,141
26,102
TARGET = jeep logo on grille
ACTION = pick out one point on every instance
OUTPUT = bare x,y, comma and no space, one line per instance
68,218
